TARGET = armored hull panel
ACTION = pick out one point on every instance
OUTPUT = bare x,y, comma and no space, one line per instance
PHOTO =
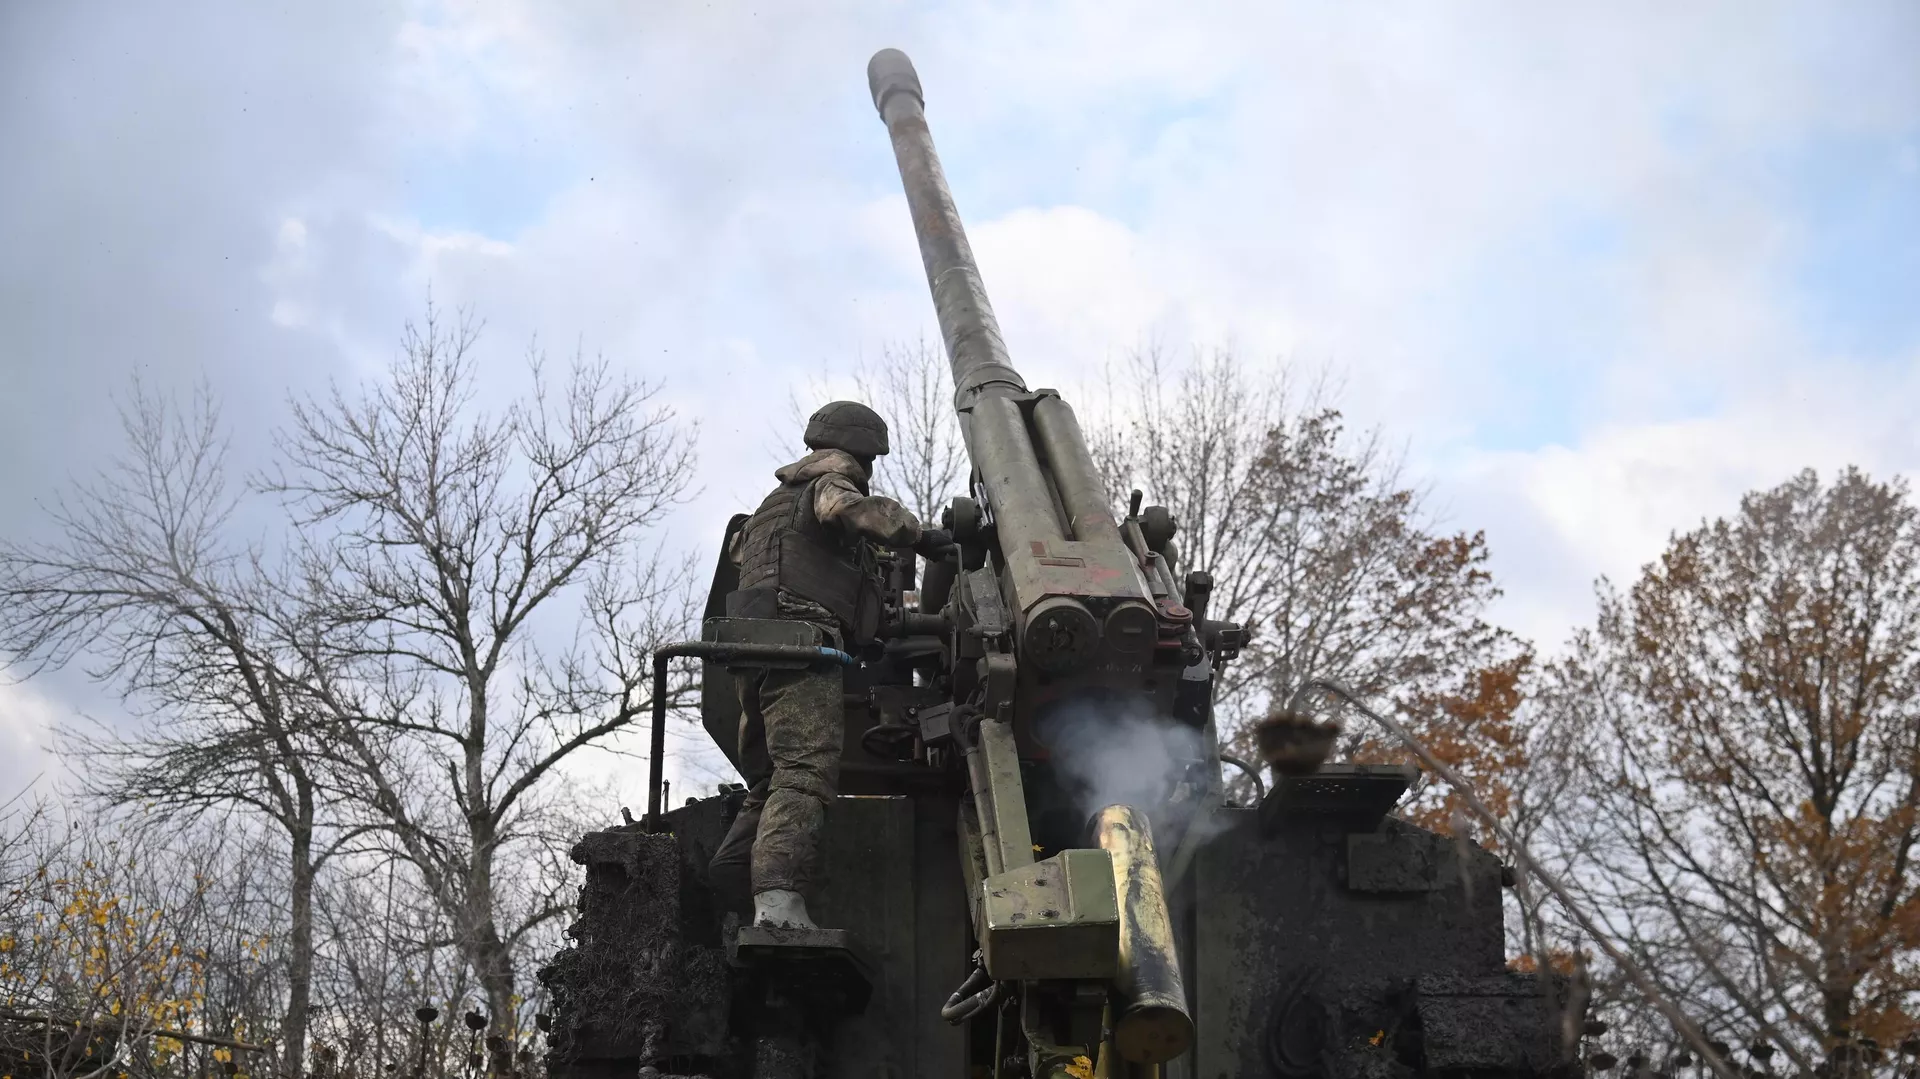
1318,938
649,979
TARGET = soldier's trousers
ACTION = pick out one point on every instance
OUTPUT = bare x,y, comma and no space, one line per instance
790,740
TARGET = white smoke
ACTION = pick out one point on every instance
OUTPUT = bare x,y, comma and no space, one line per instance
1107,752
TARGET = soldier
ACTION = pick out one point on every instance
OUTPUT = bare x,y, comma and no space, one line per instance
805,555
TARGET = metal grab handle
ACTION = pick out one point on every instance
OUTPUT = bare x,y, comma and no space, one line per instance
1259,785
726,652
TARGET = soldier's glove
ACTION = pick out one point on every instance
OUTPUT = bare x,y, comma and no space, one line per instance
933,544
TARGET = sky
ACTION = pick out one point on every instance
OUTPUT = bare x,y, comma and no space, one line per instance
1597,269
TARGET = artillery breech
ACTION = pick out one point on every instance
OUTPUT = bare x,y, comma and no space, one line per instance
1151,1024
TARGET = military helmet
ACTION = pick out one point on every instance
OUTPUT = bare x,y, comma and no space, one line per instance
849,426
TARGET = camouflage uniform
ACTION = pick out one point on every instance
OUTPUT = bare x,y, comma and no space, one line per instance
792,721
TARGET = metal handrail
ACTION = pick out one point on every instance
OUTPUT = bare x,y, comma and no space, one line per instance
725,651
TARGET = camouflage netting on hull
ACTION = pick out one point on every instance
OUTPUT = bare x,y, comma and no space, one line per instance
641,984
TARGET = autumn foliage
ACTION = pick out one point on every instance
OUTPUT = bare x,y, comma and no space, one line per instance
1748,720
1316,543
113,959
1725,766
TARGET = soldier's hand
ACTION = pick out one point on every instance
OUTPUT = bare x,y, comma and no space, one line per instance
933,544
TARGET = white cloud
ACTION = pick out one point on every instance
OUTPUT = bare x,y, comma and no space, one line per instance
703,193
27,721
1374,189
1608,504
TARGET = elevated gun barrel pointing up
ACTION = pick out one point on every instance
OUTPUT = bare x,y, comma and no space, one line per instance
972,334
1009,440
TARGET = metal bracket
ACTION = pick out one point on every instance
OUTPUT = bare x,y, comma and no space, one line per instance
997,676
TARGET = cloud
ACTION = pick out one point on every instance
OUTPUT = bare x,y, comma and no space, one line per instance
27,721
1593,266
1609,503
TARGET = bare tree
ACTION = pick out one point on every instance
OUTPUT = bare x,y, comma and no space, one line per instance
912,387
146,583
386,955
1314,541
456,538
1751,755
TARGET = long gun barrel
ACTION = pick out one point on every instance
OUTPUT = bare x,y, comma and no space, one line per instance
972,334
1095,624
1072,581
987,390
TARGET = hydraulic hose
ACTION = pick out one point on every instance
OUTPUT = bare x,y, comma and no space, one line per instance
1259,785
978,991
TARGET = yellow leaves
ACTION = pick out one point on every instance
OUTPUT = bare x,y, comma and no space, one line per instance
93,937
1080,1068
223,1055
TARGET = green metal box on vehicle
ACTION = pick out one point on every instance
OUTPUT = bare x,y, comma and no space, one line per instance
1057,918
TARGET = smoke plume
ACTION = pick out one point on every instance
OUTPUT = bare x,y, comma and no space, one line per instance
1108,752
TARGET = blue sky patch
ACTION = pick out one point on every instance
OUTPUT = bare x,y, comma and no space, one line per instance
1858,269
492,188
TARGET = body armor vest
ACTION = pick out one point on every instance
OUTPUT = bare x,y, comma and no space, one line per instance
785,546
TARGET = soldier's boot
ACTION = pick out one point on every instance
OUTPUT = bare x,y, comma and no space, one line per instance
781,908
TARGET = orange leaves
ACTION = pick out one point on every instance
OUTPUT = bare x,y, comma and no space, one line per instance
105,943
1559,961
1760,688
1472,729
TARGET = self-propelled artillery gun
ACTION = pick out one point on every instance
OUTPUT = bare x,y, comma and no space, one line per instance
994,912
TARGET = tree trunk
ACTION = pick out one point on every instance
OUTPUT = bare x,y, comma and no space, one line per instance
495,965
492,961
1836,1005
293,1030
